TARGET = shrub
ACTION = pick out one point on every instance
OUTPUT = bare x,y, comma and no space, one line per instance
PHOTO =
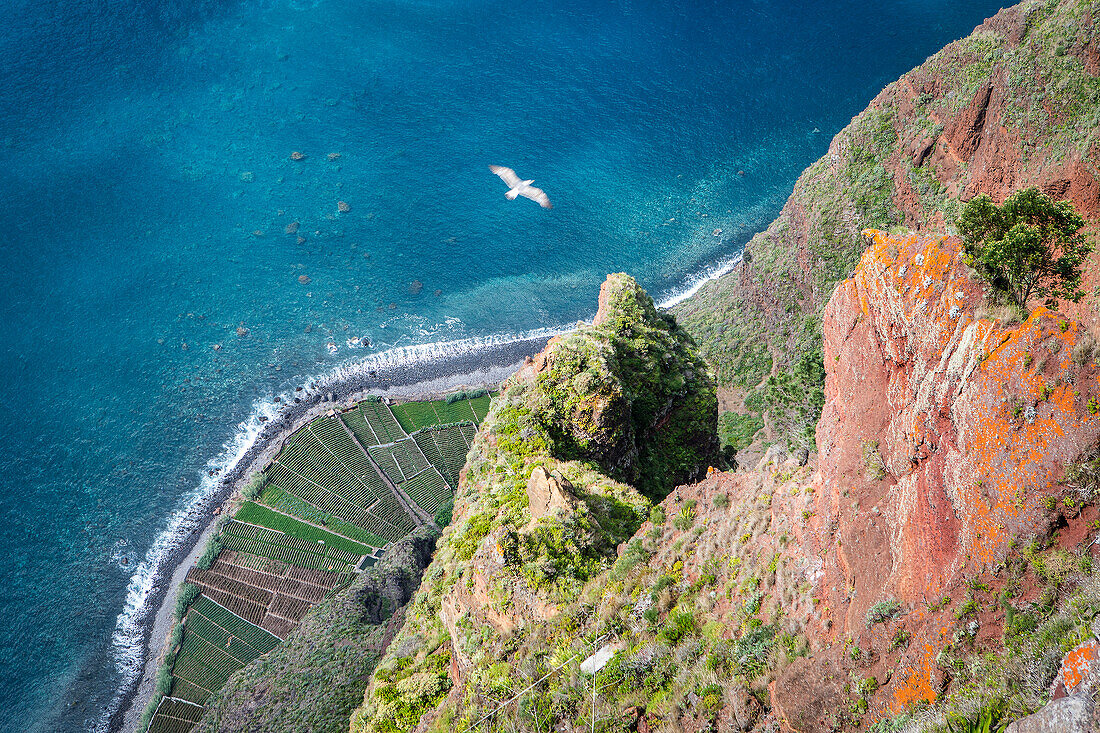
721,501
209,554
445,513
991,719
633,554
454,397
253,486
873,465
901,639
1029,246
752,652
677,626
684,519
882,612
657,515
737,431
188,592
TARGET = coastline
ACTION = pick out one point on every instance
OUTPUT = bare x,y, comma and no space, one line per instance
486,366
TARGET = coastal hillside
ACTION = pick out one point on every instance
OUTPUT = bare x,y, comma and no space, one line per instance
1015,104
937,566
845,487
582,439
303,581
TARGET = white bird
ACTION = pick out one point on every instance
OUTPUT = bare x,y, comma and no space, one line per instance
516,187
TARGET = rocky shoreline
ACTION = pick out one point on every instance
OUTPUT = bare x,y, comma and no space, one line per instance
424,380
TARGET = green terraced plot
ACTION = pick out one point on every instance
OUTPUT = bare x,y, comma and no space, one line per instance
175,715
311,471
291,550
359,427
409,458
185,690
459,411
216,643
415,415
480,406
446,449
383,456
428,489
382,422
253,513
326,505
277,498
251,634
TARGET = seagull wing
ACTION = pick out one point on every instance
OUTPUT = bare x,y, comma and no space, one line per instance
506,174
537,195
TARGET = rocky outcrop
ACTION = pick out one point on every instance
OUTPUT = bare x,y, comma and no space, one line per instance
555,482
944,445
628,392
1012,105
1073,707
548,494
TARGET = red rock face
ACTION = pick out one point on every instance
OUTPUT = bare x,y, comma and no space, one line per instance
943,433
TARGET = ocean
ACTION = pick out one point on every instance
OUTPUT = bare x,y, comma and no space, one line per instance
170,267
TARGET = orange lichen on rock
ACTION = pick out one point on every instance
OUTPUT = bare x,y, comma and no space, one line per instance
1079,666
946,428
917,686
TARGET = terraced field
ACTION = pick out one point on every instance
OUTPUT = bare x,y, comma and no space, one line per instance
336,494
446,449
415,416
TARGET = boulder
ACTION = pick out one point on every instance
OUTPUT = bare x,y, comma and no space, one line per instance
548,494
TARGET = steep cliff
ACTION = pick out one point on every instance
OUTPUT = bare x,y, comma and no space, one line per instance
556,480
940,558
955,490
1015,104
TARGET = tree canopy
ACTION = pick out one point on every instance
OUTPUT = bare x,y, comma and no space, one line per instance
1029,247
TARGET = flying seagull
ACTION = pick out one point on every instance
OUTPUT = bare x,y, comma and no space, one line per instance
516,187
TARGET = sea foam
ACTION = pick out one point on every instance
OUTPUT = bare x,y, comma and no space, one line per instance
694,283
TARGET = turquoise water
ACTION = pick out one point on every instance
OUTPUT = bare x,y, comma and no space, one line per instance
149,184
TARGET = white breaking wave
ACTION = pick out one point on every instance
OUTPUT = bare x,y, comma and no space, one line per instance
712,272
128,641
401,356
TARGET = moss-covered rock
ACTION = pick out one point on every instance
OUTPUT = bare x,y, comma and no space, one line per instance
627,392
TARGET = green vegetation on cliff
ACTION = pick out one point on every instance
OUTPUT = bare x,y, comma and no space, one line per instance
628,393
1029,247
553,485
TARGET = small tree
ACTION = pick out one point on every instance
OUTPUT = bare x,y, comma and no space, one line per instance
1030,246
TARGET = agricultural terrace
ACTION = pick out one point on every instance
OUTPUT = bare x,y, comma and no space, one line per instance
338,492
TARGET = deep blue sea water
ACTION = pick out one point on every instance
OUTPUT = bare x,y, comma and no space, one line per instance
147,186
